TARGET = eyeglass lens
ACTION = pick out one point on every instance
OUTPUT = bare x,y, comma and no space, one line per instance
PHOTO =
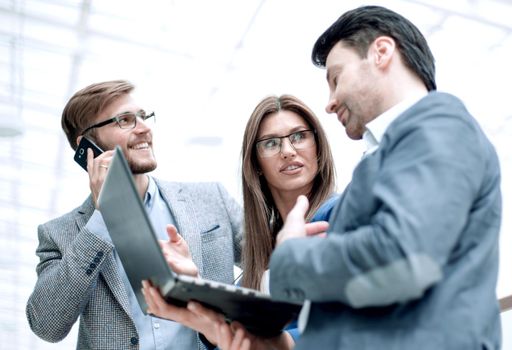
129,120
299,140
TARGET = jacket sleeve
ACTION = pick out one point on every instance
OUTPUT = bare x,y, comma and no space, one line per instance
426,184
234,211
65,280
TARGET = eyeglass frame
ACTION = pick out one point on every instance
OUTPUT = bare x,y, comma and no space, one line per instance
281,141
116,119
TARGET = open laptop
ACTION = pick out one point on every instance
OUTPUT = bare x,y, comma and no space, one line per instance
137,246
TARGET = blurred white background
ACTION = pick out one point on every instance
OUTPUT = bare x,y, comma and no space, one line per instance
202,66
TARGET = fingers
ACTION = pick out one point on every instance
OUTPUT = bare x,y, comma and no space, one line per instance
153,298
159,307
241,339
300,208
97,169
317,228
295,224
173,234
205,312
90,158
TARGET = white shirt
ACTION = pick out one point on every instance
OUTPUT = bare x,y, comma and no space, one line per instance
376,128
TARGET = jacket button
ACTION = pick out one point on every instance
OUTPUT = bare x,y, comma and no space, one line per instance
92,265
96,260
134,340
99,254
88,271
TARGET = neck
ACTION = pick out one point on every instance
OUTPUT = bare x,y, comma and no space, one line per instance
141,183
285,200
400,84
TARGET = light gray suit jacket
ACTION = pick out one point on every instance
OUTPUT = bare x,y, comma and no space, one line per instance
68,288
411,257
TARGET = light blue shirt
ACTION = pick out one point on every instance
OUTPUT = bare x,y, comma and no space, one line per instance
154,333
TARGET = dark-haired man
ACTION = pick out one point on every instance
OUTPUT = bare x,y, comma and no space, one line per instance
411,257
80,275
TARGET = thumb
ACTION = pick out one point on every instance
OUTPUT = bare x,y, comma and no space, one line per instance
173,234
300,208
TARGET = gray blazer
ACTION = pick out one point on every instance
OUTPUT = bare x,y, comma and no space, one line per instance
411,257
206,216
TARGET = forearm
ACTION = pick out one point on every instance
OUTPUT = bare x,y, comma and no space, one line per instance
65,283
346,276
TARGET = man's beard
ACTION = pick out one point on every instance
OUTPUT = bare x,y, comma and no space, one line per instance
141,167
136,168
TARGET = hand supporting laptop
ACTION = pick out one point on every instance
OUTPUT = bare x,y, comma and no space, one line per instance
211,324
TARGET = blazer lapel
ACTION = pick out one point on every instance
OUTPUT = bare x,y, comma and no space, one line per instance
109,270
184,215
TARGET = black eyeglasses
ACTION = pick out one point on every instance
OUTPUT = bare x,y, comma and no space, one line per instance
299,140
127,120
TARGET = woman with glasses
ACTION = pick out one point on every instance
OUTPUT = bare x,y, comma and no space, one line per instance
285,154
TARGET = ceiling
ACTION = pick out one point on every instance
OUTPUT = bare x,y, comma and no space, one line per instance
202,66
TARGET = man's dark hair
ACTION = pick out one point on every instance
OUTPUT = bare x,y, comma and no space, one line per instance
359,27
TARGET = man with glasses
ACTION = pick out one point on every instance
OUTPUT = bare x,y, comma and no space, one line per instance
80,274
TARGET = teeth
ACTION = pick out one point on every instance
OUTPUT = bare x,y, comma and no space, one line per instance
141,145
292,167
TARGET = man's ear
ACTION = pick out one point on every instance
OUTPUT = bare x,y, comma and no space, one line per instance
78,139
383,50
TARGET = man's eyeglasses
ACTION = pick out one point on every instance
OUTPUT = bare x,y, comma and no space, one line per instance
272,145
126,120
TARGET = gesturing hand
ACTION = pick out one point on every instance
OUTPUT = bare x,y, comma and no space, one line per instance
295,225
177,254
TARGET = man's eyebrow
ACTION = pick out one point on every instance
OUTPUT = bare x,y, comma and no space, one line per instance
127,112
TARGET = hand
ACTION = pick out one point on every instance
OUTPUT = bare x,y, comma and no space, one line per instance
195,316
295,223
177,254
97,169
232,338
317,228
235,336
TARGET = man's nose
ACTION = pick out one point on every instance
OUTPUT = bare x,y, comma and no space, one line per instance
142,125
331,106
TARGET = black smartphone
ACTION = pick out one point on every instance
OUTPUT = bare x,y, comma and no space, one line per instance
81,151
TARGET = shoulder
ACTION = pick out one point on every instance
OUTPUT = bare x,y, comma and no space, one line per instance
86,208
323,213
67,224
199,191
434,109
189,187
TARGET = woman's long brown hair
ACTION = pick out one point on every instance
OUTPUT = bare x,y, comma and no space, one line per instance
262,219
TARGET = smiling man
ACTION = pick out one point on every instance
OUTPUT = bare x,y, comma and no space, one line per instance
411,257
80,275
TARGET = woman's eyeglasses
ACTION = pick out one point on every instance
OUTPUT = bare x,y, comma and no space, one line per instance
299,140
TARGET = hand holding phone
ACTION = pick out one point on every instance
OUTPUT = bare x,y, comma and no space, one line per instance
81,151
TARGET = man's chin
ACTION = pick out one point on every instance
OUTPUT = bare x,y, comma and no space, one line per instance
138,169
